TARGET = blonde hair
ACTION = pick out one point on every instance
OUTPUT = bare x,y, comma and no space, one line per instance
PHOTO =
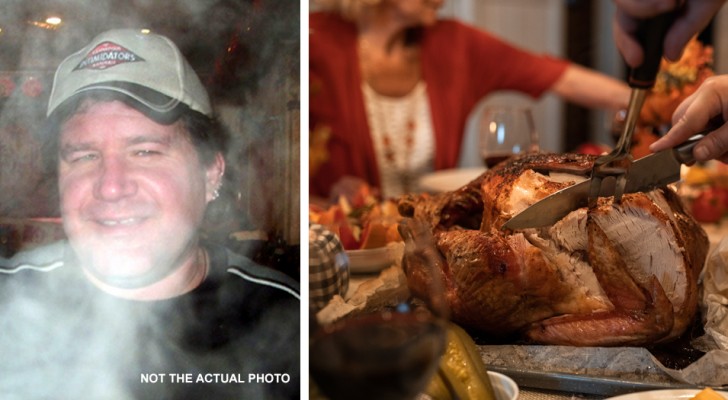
349,9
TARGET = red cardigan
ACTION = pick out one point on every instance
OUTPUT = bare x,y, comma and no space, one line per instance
460,65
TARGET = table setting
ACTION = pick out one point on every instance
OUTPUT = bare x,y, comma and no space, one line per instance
378,280
553,372
621,294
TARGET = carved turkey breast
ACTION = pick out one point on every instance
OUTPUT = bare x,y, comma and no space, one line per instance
617,274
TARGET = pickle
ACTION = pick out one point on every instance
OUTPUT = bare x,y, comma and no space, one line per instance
461,373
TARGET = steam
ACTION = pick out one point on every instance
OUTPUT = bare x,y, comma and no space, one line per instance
246,52
63,336
254,88
49,330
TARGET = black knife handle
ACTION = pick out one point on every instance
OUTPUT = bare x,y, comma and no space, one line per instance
651,35
684,152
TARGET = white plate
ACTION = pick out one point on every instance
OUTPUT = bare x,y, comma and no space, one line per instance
449,179
667,394
369,260
504,387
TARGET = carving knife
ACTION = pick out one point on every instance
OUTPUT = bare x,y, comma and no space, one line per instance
647,173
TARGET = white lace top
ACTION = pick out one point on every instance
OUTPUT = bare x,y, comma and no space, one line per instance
402,128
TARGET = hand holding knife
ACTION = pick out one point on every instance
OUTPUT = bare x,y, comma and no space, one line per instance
647,173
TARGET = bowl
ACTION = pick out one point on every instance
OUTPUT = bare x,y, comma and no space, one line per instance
366,261
504,387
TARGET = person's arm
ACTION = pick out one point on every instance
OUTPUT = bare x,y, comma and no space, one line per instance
694,17
591,89
693,115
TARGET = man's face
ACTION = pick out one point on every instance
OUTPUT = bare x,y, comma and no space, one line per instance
133,194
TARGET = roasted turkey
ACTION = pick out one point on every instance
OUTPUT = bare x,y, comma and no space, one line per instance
616,274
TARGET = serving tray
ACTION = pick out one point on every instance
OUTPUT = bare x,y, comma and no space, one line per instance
583,384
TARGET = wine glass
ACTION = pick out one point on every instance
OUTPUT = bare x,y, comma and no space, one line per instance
506,131
391,351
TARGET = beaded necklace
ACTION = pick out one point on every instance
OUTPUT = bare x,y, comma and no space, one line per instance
403,169
394,125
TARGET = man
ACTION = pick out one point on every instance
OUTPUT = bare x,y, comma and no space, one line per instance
135,304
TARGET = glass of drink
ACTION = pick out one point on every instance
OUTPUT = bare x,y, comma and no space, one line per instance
392,351
506,131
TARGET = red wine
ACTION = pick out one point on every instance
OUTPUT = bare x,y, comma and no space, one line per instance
491,161
375,357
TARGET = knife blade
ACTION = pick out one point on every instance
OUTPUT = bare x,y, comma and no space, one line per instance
647,173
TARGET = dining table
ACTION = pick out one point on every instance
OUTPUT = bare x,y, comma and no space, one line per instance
536,382
601,379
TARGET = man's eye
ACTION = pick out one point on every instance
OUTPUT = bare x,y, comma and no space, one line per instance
146,153
84,157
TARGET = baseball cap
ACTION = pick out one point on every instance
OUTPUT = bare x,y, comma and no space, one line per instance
146,67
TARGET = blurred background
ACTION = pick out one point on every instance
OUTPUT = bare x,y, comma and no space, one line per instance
579,30
246,53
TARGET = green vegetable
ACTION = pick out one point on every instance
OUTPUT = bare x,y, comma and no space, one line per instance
461,374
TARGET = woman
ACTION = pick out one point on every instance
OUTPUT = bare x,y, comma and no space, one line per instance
394,85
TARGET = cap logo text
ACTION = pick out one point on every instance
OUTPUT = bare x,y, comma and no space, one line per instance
107,55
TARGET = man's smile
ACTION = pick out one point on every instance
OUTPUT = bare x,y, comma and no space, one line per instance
116,222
